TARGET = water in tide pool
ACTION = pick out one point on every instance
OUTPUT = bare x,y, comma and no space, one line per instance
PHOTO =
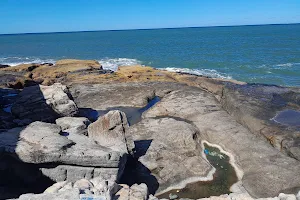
258,54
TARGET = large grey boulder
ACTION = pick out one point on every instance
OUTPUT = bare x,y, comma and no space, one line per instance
109,131
44,103
168,148
41,142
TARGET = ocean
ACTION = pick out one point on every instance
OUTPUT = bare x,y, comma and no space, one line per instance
268,54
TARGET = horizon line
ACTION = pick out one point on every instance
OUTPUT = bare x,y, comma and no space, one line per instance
141,29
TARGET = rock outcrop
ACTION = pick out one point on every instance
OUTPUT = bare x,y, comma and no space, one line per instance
109,131
44,103
87,159
254,106
73,125
168,148
262,165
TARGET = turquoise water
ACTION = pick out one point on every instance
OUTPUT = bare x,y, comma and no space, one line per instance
257,54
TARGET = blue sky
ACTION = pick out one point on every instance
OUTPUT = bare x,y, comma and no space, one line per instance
25,16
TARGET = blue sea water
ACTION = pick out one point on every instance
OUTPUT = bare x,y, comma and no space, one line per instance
258,54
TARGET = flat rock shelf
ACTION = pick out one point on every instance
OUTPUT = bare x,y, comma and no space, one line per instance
224,177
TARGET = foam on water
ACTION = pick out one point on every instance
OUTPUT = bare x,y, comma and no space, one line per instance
202,72
114,63
287,64
13,61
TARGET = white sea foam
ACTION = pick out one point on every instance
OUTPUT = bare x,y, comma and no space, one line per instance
287,64
114,63
13,61
203,72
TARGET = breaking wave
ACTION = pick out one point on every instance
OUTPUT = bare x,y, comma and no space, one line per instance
13,61
202,72
114,63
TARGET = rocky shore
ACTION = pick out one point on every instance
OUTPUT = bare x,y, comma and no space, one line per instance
73,130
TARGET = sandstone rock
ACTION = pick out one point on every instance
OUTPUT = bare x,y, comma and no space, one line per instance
24,67
109,131
79,63
44,103
74,125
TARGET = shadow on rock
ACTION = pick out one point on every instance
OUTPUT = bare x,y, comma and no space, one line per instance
135,172
20,175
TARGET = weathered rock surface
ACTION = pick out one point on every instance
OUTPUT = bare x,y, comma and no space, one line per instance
44,103
104,96
135,192
267,172
109,131
42,143
255,105
73,125
168,148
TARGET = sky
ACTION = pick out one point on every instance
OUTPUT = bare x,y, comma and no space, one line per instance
31,16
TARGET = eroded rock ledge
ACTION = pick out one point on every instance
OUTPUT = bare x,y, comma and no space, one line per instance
48,132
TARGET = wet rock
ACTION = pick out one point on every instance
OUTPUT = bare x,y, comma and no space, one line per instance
168,148
109,131
44,103
258,107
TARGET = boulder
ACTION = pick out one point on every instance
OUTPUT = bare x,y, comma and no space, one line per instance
83,184
66,195
74,173
73,125
109,131
168,148
135,192
42,143
44,103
